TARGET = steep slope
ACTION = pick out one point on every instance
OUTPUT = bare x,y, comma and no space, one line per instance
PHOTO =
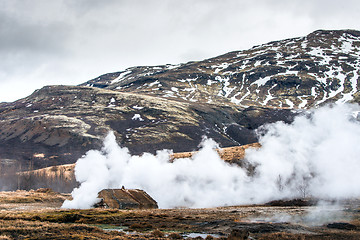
293,73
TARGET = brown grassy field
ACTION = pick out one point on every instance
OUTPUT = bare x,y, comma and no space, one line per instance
36,215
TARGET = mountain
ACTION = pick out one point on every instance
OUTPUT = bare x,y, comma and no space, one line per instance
58,124
293,73
173,106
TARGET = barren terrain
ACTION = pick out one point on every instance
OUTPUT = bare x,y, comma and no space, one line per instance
37,215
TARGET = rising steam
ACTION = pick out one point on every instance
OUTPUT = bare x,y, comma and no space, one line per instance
317,155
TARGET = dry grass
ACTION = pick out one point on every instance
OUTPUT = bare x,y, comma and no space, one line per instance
146,224
4,237
90,216
282,236
24,229
157,233
20,229
40,195
229,154
66,170
156,223
356,222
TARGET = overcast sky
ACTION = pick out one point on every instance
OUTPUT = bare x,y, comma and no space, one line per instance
44,42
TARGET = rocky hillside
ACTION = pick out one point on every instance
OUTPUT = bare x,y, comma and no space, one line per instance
150,108
293,73
58,124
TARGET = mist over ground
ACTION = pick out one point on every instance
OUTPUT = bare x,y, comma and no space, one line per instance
315,156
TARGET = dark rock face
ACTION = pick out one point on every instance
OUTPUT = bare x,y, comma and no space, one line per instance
150,108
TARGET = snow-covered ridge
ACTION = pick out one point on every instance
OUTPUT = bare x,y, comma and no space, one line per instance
292,73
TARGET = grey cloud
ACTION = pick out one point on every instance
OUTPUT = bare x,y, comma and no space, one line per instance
70,41
16,35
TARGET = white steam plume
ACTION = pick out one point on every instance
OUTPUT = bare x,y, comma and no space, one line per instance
317,155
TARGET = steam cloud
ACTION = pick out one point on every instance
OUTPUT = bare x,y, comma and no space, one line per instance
317,155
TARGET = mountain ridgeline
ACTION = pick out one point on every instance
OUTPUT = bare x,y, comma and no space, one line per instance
293,73
173,106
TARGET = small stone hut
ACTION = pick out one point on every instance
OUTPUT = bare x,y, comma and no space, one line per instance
125,199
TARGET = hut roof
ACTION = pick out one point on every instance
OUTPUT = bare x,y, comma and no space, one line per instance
125,199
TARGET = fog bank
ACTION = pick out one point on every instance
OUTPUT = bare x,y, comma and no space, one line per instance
317,155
